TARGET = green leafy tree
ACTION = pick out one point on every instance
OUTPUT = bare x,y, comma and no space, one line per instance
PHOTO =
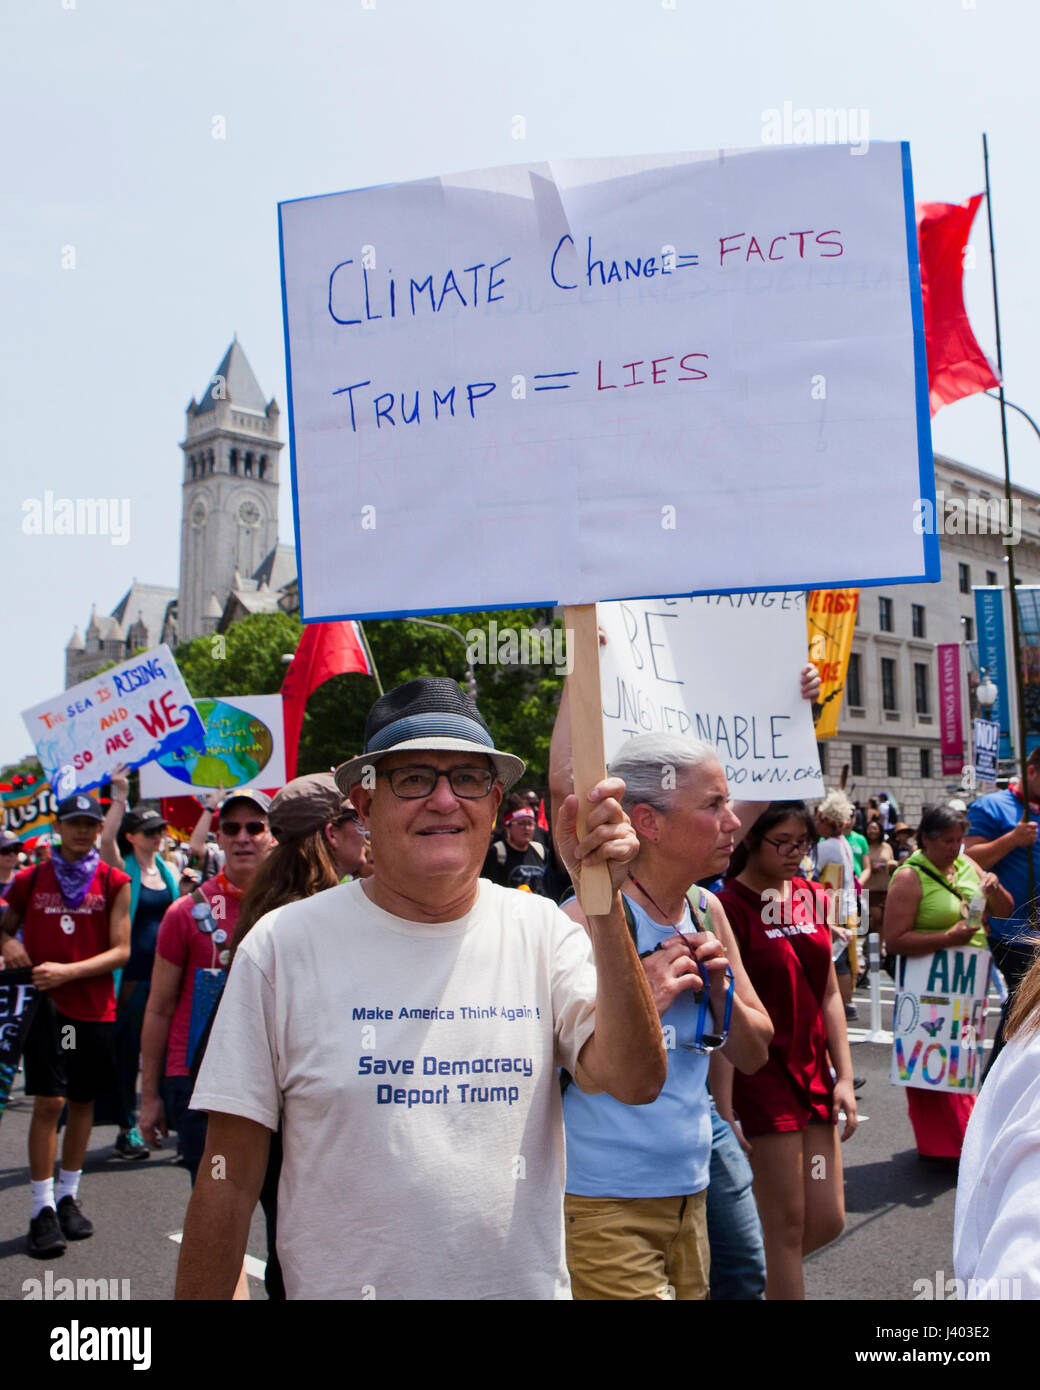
518,702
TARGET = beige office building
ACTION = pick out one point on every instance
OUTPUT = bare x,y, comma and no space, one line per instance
888,731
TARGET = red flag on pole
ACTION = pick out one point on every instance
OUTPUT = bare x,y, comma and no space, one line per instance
957,366
325,650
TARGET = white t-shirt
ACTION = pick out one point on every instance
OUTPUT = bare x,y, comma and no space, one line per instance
996,1226
413,1066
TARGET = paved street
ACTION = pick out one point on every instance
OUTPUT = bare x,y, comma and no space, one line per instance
899,1229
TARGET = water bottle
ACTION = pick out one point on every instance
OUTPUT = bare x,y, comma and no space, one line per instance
976,908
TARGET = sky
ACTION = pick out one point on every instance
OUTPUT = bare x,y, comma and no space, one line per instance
110,109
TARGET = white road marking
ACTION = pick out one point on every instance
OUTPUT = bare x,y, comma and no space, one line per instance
254,1268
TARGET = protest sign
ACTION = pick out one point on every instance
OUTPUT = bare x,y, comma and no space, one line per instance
719,667
595,379
18,1000
939,1020
132,713
831,620
987,744
243,746
28,810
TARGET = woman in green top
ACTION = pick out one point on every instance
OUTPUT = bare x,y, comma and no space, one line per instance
927,911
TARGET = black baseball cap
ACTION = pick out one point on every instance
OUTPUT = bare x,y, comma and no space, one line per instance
79,804
134,822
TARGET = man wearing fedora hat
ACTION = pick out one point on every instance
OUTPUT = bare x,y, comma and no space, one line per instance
407,1030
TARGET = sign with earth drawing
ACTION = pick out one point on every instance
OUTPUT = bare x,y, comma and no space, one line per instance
244,747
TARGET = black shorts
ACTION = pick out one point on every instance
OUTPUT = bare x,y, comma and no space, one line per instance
68,1057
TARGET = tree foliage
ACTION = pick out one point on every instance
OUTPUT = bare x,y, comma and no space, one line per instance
518,702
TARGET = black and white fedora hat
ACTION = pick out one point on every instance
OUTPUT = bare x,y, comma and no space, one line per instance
430,713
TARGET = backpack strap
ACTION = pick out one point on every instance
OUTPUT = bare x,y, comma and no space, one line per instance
700,909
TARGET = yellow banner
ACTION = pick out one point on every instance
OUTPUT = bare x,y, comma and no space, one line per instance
831,618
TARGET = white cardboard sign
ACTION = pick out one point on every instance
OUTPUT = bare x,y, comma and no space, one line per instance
939,1020
724,668
130,714
243,746
599,378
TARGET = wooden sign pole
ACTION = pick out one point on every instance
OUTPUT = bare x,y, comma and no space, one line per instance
586,710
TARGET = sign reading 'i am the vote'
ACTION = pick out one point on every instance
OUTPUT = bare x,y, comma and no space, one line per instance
608,378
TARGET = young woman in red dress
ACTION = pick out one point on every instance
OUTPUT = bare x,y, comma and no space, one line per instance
789,1109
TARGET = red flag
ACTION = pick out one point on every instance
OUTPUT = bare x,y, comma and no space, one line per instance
542,822
325,650
957,366
181,814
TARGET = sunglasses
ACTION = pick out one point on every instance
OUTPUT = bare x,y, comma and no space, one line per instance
231,828
158,830
13,850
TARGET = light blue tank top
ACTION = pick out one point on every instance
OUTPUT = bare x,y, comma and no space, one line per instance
658,1150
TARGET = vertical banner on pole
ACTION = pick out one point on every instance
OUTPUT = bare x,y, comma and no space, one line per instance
950,728
989,628
1028,596
831,619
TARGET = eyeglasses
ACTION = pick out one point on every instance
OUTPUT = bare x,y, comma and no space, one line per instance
13,850
231,828
786,846
413,783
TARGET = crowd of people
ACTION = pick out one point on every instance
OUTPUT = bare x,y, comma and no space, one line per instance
378,1001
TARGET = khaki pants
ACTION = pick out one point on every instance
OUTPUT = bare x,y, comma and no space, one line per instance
637,1247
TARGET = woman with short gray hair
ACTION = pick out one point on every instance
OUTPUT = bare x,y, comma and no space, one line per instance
637,1176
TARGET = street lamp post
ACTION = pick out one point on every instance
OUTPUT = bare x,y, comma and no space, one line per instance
986,694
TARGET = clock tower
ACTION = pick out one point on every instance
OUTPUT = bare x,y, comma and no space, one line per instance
229,520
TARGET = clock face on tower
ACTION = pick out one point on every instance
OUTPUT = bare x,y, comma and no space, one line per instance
249,513
199,512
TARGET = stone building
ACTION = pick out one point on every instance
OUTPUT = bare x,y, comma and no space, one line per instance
888,731
137,622
229,523
231,561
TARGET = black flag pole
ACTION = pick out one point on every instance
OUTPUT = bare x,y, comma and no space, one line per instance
1009,550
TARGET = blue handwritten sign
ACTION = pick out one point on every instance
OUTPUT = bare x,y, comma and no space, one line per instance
130,714
606,379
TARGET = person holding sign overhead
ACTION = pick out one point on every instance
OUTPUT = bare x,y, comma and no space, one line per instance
75,911
130,841
938,899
